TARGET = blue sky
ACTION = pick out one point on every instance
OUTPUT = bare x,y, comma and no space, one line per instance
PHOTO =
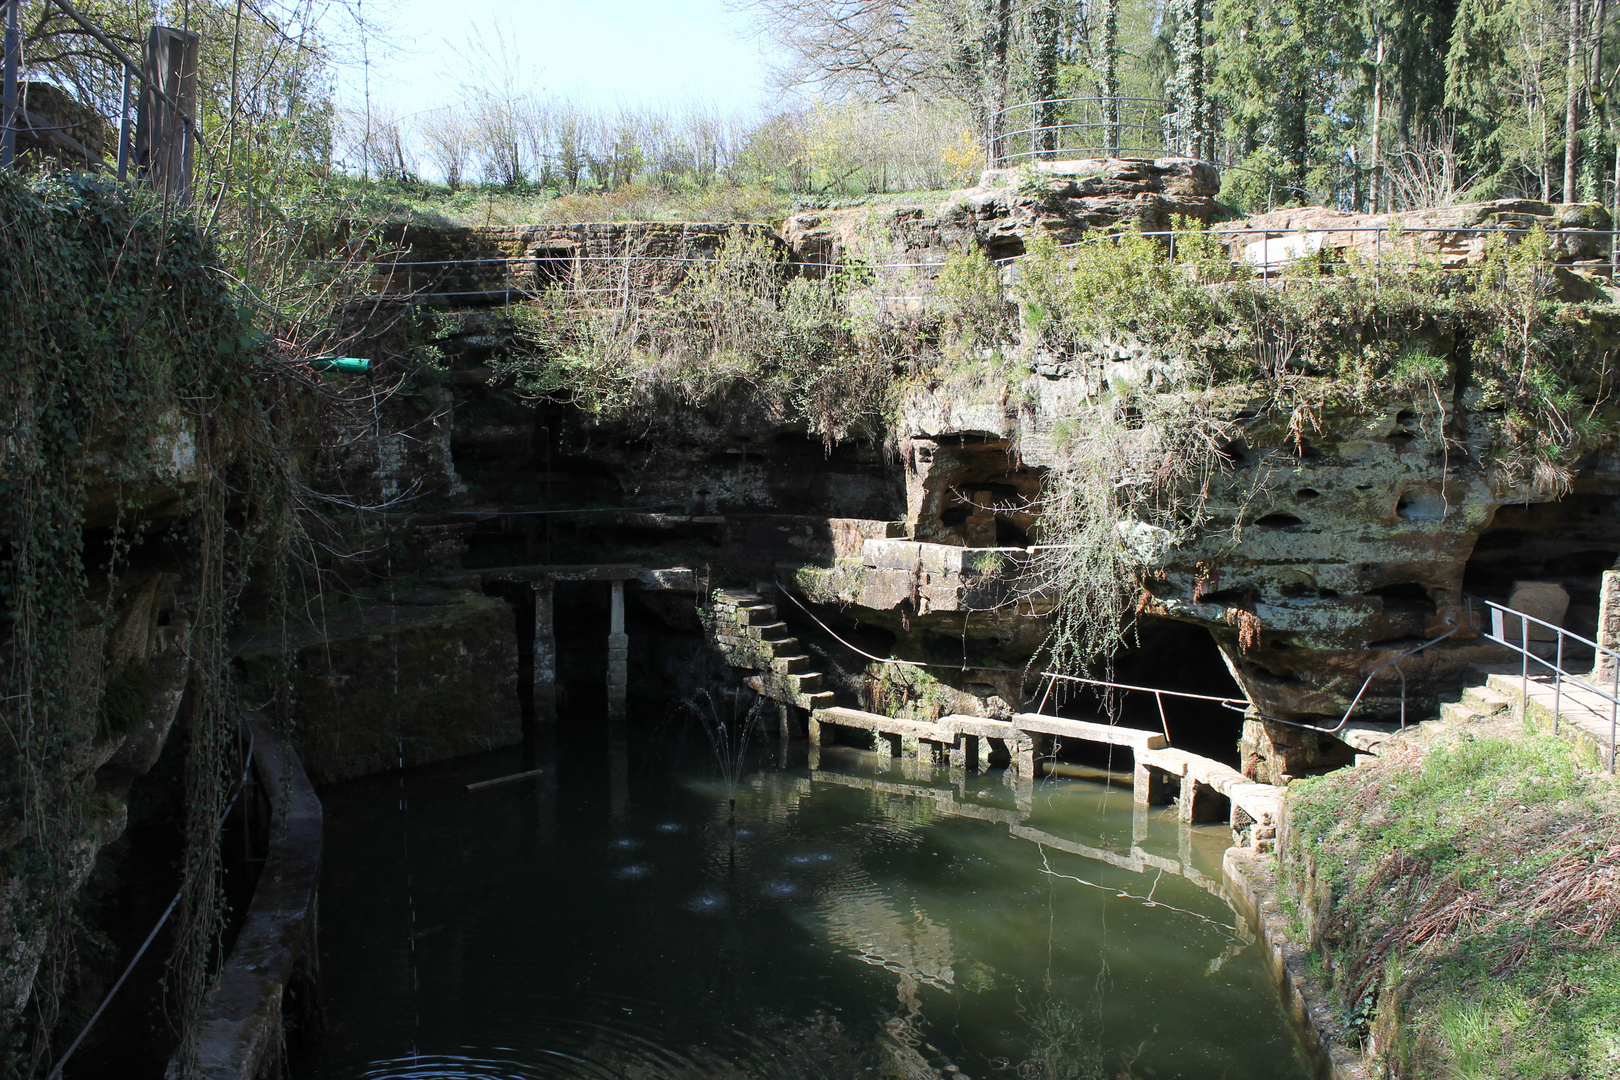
607,50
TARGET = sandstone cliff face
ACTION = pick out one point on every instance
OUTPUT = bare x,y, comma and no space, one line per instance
1330,539
1340,548
1067,199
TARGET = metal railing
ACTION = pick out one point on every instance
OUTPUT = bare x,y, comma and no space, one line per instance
1367,682
1499,632
1051,678
1084,127
1439,247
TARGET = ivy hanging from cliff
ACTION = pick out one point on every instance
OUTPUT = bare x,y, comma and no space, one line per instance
134,400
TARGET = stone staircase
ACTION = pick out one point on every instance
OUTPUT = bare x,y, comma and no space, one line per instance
751,635
1561,706
1479,699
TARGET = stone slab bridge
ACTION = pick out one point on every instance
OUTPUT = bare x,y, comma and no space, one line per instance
542,580
1202,788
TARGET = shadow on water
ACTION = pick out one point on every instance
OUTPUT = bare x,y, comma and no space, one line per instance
662,902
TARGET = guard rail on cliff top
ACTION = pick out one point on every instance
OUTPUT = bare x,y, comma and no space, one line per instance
1497,627
1445,248
1081,127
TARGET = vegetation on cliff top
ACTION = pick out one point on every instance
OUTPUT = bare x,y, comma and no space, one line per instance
1465,892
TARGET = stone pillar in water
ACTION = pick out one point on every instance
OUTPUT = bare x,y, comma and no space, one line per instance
545,651
618,677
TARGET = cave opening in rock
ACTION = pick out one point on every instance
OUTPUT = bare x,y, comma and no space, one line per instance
1170,655
1569,542
1003,248
1405,598
553,266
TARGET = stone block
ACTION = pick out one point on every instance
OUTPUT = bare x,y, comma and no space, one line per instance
849,535
881,589
1545,600
672,579
891,554
1608,630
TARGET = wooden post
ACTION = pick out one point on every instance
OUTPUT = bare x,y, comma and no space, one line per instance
545,651
163,143
618,676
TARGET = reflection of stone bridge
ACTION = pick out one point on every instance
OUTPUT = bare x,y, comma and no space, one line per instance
952,801
920,952
1203,789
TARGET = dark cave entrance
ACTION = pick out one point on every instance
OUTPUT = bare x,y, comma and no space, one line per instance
553,266
1570,542
1169,655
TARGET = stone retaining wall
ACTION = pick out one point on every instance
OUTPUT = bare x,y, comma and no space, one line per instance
239,1032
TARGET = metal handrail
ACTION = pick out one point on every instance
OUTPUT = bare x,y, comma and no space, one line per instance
1498,633
1099,100
1396,660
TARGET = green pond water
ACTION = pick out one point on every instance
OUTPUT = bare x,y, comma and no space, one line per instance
867,918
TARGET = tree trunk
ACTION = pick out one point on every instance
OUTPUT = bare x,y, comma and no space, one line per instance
1187,83
1572,102
1596,106
1110,51
1044,30
998,39
1375,159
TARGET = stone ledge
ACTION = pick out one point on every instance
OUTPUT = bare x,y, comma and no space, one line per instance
1253,881
239,1032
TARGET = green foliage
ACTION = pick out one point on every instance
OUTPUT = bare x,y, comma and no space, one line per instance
1462,905
970,297
1126,487
907,692
736,324
132,375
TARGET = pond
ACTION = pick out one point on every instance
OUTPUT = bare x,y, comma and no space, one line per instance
611,918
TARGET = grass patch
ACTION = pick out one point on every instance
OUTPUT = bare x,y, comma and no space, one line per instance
1465,892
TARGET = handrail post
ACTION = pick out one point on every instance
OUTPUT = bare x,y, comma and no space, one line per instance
1402,673
1524,667
1614,714
1558,683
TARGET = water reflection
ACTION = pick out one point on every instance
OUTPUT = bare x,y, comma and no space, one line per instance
862,918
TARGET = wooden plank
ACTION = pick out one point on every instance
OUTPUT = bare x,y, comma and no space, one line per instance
1085,730
505,779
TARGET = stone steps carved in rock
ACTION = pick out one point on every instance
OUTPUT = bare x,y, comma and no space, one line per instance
749,631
